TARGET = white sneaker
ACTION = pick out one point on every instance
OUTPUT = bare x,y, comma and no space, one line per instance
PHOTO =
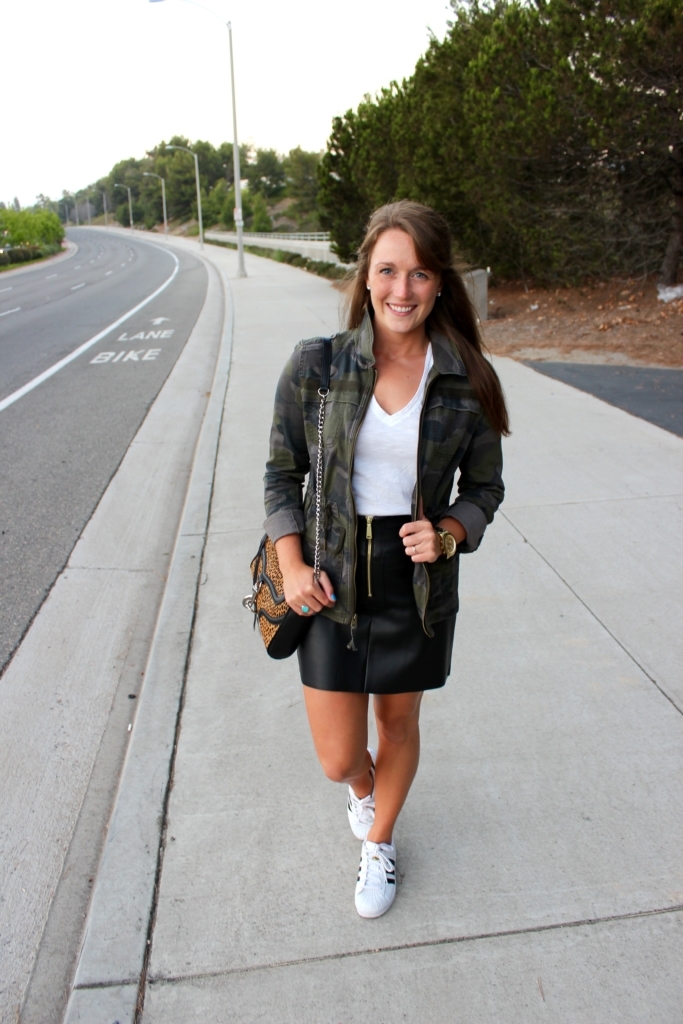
362,810
376,885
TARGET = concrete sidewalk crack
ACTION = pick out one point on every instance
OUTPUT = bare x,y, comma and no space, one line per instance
142,982
593,501
425,944
595,615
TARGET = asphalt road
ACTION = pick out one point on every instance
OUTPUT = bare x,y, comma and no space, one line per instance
649,392
62,440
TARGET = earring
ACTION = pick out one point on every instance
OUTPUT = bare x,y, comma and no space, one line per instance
438,294
368,287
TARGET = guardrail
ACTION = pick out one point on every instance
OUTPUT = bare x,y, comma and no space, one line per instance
292,236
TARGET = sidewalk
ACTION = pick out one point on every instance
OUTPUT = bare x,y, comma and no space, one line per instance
540,846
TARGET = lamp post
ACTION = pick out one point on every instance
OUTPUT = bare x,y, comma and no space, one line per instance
239,220
196,175
66,210
151,174
104,201
87,207
130,202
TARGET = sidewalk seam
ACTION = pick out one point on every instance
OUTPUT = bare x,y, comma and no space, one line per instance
172,640
597,618
229,326
593,501
426,944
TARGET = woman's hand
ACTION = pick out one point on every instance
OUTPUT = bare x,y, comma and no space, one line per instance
301,589
422,542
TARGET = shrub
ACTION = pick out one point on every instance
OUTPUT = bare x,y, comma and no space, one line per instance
21,254
19,228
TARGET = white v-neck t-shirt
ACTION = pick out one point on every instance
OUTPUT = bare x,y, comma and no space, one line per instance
385,459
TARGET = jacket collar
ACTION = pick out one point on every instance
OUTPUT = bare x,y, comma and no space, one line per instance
446,356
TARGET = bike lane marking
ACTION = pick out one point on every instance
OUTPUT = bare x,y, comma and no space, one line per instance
56,367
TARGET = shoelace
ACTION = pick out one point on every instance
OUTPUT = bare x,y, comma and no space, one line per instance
377,867
364,808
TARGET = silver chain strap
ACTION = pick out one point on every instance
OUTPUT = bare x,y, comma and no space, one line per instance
323,392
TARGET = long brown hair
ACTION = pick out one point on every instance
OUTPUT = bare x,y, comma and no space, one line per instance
453,314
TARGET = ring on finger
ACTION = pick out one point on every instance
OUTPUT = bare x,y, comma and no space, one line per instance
305,609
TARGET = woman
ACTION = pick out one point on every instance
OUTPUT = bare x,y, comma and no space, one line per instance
412,400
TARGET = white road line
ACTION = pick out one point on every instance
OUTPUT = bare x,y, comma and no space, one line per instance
108,273
75,287
8,311
6,289
51,275
87,344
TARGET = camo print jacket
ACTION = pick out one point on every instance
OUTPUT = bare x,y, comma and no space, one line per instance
454,435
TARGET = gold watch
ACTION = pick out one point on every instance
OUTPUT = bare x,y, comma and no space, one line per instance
448,543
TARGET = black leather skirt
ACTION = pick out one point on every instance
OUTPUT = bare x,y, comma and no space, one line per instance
392,654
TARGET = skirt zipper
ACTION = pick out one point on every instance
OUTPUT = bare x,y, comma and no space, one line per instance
368,537
352,583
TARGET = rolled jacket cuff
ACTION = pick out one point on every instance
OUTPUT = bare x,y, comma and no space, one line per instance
474,521
288,520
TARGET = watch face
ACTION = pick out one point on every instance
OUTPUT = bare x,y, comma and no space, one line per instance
448,543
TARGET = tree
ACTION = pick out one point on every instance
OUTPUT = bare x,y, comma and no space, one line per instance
227,219
301,170
261,218
225,151
634,50
548,133
266,174
212,208
359,170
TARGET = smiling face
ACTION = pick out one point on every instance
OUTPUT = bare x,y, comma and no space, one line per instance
403,292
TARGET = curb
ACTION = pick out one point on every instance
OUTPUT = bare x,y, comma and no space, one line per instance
112,962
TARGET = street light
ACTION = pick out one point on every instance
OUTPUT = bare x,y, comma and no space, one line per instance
196,175
130,202
239,220
104,200
151,174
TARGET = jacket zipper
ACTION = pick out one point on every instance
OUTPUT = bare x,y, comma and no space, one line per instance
352,582
419,492
368,537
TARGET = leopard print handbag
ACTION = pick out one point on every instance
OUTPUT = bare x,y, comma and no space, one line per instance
282,630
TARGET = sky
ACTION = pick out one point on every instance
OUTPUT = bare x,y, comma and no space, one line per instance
95,82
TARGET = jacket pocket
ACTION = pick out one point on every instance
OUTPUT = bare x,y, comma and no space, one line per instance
340,413
448,421
332,530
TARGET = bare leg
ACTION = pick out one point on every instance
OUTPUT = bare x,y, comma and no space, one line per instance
339,726
398,727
